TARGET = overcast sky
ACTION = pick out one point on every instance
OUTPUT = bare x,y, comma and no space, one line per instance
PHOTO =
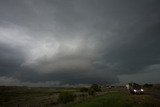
79,42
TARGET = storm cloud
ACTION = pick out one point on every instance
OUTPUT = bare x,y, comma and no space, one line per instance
75,42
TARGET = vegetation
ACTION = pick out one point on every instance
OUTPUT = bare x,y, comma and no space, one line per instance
147,85
83,89
25,96
91,92
95,87
65,97
133,84
73,97
118,99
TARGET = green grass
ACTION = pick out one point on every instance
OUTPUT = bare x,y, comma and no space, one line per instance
47,97
22,96
12,96
117,99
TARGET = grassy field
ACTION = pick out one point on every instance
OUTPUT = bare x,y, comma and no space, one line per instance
47,97
23,96
118,99
29,97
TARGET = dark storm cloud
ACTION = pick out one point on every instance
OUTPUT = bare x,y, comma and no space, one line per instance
10,59
78,41
138,52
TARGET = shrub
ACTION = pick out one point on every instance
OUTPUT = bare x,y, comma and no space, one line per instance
91,92
148,85
95,87
65,97
83,89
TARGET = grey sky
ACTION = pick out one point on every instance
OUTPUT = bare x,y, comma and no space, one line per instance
75,42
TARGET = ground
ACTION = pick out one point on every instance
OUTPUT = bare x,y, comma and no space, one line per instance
47,97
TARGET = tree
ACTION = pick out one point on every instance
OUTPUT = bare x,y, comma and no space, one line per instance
147,85
95,87
83,89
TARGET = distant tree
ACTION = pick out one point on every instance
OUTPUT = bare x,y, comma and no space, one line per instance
147,85
133,84
95,87
83,89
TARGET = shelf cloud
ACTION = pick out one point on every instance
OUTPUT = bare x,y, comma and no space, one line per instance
75,42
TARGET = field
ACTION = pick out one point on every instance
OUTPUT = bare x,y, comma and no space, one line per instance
47,97
117,99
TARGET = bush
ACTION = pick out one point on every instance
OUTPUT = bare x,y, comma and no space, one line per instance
83,89
65,97
147,85
95,87
91,92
